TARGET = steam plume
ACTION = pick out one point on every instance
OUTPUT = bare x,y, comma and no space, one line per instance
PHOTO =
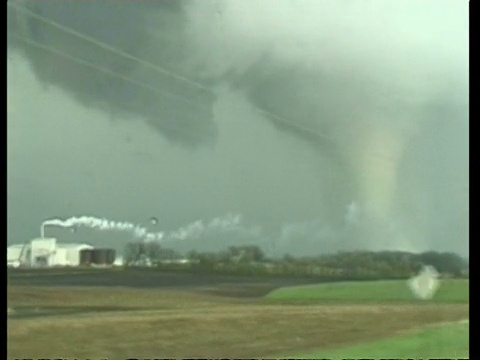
227,223
103,224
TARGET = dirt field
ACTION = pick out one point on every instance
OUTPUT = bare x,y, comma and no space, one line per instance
149,279
192,321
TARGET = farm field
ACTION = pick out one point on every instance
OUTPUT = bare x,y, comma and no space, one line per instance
451,291
449,341
148,279
226,317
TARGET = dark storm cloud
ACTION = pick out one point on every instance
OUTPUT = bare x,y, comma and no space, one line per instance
371,81
377,89
65,44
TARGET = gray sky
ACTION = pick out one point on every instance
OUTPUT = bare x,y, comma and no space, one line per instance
290,114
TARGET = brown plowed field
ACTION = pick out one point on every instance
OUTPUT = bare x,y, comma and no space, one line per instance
70,320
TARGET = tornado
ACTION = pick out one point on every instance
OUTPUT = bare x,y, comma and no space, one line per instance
375,160
361,82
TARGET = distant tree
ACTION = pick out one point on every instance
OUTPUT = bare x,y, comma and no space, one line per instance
447,262
152,251
232,255
244,254
142,253
288,258
257,254
169,254
225,257
132,254
193,255
207,261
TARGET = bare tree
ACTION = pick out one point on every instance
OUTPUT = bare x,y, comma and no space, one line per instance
142,253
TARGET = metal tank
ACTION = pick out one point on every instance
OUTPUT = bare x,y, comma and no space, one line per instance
103,256
86,256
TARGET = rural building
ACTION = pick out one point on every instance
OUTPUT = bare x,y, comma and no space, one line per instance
16,254
14,251
94,256
42,252
47,252
69,254
103,256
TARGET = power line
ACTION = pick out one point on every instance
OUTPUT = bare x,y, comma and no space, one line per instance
108,47
275,117
150,65
163,93
107,71
125,78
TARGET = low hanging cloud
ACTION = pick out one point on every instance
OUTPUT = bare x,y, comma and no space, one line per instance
383,85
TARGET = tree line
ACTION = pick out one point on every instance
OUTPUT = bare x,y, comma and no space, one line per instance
251,260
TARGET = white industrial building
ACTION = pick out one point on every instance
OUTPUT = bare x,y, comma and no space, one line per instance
42,252
45,252
15,254
69,254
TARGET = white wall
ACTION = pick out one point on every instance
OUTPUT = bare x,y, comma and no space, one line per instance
55,253
69,254
13,263
13,252
43,247
73,254
61,257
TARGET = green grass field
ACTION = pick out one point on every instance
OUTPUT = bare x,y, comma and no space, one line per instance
445,341
450,291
